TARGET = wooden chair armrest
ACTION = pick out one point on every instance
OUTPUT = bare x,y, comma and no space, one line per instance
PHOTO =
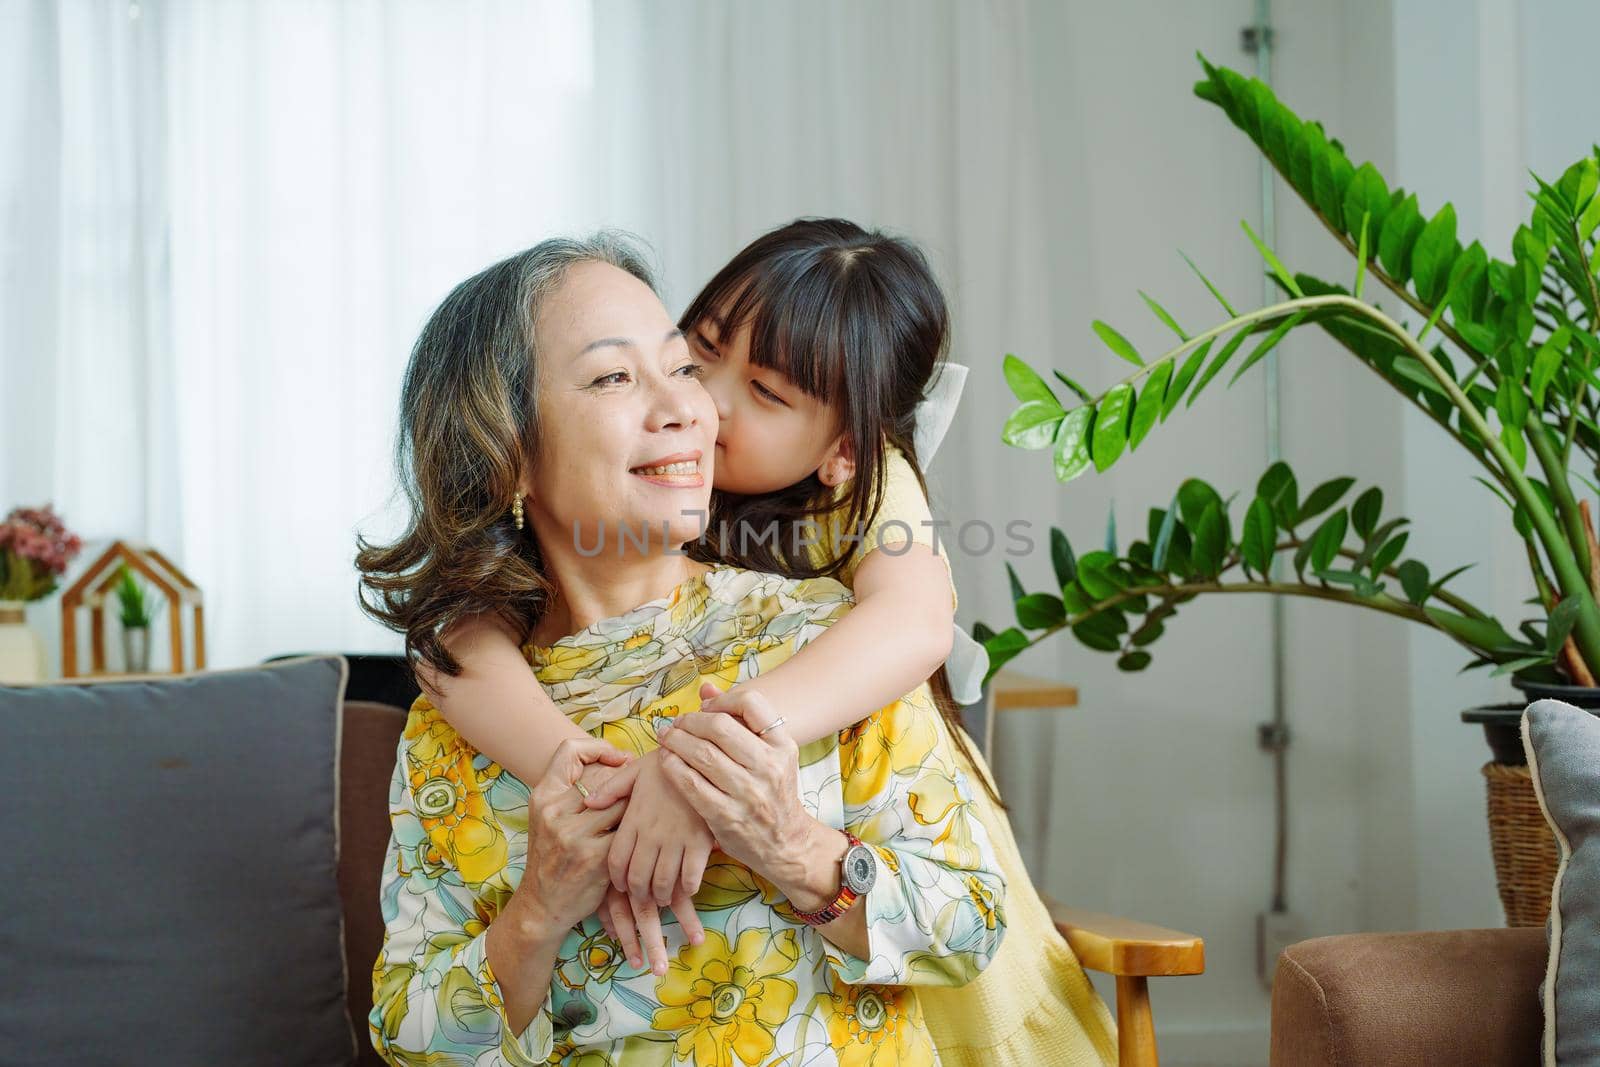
1124,947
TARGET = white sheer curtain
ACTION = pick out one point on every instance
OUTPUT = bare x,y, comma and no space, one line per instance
225,223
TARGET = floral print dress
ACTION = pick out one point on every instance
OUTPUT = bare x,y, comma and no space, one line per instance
763,988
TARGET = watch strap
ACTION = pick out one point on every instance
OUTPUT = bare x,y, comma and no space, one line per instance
841,903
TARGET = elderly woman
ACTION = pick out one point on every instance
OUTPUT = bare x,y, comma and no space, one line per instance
845,870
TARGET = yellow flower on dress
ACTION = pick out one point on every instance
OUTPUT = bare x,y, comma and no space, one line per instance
639,637
728,1003
878,1026
884,746
934,800
455,815
983,897
562,663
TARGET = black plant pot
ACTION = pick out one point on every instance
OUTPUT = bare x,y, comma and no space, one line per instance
1502,723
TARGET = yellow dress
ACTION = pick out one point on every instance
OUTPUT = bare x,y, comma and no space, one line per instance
1034,1004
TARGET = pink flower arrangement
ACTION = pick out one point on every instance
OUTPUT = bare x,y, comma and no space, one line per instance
35,548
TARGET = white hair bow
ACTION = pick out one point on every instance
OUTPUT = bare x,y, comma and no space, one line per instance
937,410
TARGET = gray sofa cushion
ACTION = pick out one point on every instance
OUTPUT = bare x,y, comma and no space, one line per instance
171,846
1563,747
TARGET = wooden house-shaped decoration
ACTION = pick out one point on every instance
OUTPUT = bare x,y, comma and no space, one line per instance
95,585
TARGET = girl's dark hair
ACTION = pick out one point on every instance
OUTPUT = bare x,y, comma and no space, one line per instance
469,422
856,319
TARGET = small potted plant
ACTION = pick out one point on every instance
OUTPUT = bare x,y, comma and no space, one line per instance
138,612
35,548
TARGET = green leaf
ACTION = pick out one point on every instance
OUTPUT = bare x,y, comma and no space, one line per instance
1435,251
1468,289
1480,633
1210,542
1033,425
1411,369
1217,364
1185,376
1111,529
1387,554
1400,232
1364,586
1547,361
1268,343
1232,314
1260,536
1117,343
1326,541
1072,444
1026,384
1361,257
1366,200
1017,592
1194,497
1512,666
1493,489
1322,498
1164,315
1096,575
1414,580
981,632
1062,559
1003,647
1365,511
1562,620
1151,399
1134,661
1083,394
1039,611
1279,489
1096,638
1434,589
1169,522
1284,277
1111,426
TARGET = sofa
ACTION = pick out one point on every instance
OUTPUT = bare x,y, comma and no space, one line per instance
366,762
1404,999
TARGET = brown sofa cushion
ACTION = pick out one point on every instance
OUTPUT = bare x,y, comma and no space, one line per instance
1398,1000
366,763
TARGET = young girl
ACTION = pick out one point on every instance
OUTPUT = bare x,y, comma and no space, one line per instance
817,343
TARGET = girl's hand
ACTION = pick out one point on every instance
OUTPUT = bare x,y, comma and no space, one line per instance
744,784
617,784
657,858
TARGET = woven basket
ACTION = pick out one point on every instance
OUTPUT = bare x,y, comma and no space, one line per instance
1525,853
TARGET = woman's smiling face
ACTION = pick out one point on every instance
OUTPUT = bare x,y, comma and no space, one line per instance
626,432
771,434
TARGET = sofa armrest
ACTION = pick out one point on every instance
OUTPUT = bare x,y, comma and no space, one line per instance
1447,996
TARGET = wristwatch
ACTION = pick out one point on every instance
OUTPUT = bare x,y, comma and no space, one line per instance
859,870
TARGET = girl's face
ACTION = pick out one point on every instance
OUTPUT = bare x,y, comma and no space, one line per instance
625,431
770,434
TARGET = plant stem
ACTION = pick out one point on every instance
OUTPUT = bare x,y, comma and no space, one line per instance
1389,283
1555,472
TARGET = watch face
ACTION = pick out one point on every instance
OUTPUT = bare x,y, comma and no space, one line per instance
860,868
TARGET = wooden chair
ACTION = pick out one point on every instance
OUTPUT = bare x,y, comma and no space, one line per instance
1132,952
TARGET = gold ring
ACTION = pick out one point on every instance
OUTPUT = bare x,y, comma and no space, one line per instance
773,725
582,789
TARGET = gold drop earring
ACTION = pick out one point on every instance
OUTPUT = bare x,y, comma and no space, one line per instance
516,509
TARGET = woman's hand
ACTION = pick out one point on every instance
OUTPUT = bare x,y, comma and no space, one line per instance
658,856
568,842
744,784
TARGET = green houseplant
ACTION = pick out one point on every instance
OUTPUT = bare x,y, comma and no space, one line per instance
1503,361
138,611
